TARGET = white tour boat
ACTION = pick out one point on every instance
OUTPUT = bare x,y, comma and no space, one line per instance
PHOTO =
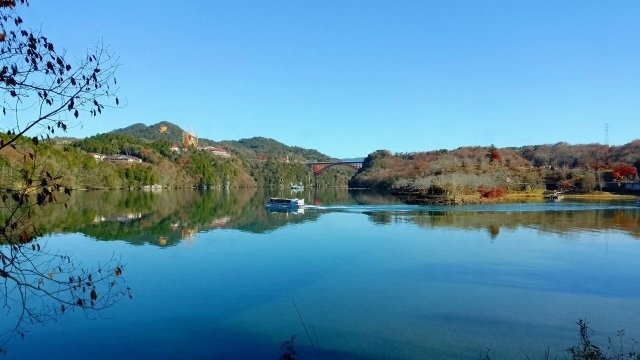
284,203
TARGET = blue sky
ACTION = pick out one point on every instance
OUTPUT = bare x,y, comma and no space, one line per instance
349,77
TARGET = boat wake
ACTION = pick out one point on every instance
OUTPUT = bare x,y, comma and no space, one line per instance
364,208
514,207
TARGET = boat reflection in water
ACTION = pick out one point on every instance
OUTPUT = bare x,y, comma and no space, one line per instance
299,210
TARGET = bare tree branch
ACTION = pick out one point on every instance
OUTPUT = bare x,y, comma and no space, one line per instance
39,87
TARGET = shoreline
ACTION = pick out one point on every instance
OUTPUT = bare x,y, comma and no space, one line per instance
602,196
596,195
534,196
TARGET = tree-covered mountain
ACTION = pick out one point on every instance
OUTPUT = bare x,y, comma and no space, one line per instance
253,162
160,165
261,161
451,175
263,148
162,131
260,148
563,154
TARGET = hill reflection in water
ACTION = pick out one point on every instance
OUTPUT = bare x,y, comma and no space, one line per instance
167,217
561,219
513,277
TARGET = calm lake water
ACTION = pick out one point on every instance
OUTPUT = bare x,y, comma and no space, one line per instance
215,275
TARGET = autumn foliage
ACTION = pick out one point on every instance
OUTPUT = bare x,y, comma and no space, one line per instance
565,186
493,192
624,172
494,155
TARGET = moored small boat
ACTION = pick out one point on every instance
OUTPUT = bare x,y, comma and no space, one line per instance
297,187
553,195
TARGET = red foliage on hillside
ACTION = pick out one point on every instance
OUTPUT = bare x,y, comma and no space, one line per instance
624,172
494,155
493,192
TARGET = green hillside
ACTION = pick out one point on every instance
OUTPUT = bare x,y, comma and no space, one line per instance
248,149
263,148
253,162
162,131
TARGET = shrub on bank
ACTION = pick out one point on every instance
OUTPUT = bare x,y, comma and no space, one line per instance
493,192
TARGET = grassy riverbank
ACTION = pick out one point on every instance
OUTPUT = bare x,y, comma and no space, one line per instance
536,195
599,195
595,196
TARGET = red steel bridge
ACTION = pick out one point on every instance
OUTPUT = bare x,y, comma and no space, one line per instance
319,167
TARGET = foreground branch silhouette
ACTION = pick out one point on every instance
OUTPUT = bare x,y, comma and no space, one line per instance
42,91
38,285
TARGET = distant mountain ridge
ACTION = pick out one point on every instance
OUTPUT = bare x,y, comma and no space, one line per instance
259,147
163,130
251,148
560,154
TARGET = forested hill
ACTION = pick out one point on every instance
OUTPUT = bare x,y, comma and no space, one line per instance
262,148
450,175
163,130
252,148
